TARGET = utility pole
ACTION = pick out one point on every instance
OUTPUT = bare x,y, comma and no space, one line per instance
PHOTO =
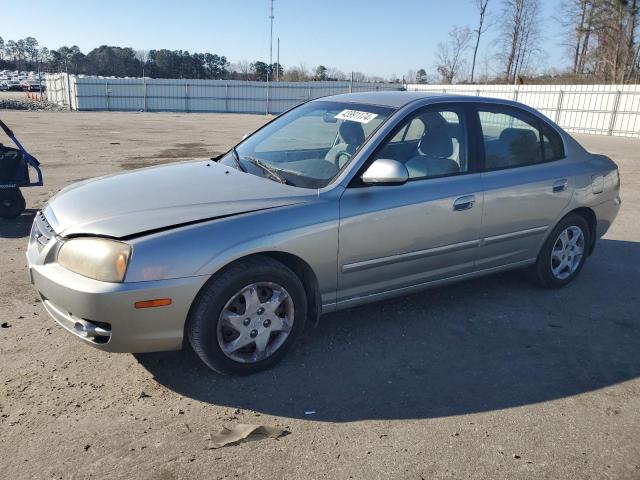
270,42
278,62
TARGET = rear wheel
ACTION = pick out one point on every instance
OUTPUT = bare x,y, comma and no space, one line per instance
12,202
563,254
247,317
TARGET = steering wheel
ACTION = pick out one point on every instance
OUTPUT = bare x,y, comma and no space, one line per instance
336,160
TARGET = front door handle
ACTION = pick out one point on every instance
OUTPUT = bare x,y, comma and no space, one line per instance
560,185
464,203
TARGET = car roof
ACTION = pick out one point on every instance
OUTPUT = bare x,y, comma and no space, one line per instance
389,98
398,99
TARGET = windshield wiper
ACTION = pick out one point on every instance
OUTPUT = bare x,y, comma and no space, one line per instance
236,158
273,173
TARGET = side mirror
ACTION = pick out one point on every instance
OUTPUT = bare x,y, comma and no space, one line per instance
384,171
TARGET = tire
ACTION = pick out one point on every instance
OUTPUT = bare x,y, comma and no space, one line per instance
12,202
227,292
548,271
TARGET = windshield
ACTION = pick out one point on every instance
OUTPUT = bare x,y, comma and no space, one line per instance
309,145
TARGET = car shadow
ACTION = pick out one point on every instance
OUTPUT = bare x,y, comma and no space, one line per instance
486,344
18,227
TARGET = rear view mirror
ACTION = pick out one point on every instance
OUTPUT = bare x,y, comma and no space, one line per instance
329,117
384,171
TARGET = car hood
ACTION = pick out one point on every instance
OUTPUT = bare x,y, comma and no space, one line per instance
149,199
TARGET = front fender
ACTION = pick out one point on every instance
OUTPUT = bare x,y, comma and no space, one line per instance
308,231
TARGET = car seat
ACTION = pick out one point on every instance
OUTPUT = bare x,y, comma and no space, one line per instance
434,149
352,137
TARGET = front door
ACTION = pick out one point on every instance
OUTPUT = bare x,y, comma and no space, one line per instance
392,237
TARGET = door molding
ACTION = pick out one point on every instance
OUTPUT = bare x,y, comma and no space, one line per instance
513,235
403,257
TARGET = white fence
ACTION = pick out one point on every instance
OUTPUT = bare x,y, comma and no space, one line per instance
177,95
597,109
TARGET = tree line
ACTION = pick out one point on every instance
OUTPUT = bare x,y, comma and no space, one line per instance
27,55
600,38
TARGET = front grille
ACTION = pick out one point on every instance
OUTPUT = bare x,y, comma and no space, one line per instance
41,232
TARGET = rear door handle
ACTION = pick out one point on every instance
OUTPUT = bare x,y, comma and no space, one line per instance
560,185
464,203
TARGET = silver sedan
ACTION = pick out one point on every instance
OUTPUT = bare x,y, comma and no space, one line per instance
339,202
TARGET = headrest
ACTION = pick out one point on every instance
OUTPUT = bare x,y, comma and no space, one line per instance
436,140
351,132
518,136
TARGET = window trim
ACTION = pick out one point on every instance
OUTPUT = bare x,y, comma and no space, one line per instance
470,130
537,122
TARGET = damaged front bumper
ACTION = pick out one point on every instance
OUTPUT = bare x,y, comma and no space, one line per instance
103,313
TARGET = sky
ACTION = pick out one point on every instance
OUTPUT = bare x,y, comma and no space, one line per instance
376,37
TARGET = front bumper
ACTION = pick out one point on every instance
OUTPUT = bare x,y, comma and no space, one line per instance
103,314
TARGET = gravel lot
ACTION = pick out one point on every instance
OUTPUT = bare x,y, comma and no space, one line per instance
491,378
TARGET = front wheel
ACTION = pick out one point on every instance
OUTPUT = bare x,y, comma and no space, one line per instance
12,202
563,254
246,317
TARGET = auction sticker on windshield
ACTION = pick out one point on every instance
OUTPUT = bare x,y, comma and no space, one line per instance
356,116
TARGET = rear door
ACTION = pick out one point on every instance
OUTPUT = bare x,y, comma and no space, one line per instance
525,182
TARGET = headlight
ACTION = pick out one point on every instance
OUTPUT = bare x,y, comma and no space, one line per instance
97,258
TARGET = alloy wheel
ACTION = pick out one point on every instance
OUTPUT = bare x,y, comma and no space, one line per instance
255,322
567,252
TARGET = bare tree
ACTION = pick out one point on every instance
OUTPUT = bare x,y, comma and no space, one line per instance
520,35
243,67
577,20
483,26
143,57
297,74
602,38
359,77
450,54
335,74
632,50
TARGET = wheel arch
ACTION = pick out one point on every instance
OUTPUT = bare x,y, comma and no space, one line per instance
300,267
590,216
306,275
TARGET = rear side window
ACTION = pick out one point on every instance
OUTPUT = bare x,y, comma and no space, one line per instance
514,138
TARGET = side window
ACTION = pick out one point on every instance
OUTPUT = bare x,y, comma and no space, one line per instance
430,143
513,138
410,132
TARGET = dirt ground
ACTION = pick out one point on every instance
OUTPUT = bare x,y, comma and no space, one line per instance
491,378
